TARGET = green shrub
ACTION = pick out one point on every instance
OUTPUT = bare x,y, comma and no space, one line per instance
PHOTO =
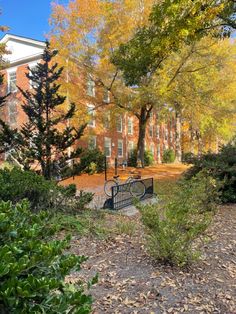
148,158
168,156
92,161
33,267
17,185
222,167
174,223
68,170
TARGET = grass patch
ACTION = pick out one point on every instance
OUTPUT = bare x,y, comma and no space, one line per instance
164,188
88,223
127,227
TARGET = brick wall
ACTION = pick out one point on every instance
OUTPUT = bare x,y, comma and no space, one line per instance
158,137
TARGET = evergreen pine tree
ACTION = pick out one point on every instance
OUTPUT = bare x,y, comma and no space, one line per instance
47,135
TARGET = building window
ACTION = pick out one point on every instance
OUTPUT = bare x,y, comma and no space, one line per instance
91,113
119,126
120,148
152,149
130,126
166,133
33,84
12,111
130,147
92,143
107,146
158,131
107,120
151,115
90,87
12,82
159,152
151,130
106,96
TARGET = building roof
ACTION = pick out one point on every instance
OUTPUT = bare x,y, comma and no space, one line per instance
22,49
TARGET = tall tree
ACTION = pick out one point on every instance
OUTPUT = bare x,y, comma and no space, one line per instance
92,31
172,26
46,135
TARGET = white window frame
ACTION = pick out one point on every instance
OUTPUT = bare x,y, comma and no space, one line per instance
166,134
91,113
107,120
107,140
130,147
119,119
32,66
130,126
106,96
92,140
152,149
90,87
11,114
158,131
9,73
120,142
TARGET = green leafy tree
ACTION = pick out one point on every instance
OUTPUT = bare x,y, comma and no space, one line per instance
173,25
46,135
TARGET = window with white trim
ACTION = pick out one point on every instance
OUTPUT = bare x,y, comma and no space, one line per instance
158,152
151,115
12,111
33,84
130,126
90,87
106,96
130,147
158,131
91,113
166,133
151,130
107,120
152,149
92,142
107,147
12,82
120,148
119,123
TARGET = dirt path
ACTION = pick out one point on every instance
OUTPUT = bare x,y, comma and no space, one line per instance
129,282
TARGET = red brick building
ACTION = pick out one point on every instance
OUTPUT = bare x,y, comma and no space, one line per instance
116,139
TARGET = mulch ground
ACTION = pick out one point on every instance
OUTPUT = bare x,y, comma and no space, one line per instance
130,282
95,182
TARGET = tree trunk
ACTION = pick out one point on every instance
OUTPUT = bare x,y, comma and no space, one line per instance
141,137
178,148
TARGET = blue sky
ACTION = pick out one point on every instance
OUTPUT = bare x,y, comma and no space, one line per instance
26,17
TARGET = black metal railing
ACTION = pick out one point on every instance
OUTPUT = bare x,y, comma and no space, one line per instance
122,195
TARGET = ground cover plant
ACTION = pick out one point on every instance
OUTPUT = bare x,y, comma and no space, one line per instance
17,185
33,266
176,221
221,166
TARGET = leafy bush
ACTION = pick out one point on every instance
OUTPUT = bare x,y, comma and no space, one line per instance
168,156
148,158
92,161
221,166
187,158
68,170
17,185
33,267
173,224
